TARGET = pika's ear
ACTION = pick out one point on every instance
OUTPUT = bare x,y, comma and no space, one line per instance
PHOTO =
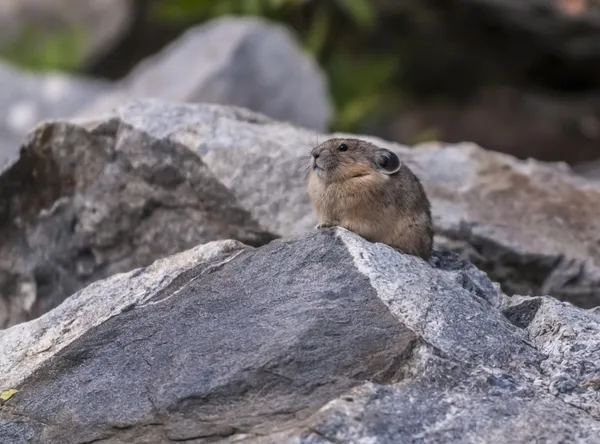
387,161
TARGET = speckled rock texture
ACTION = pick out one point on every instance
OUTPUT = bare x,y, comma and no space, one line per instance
85,201
319,338
533,227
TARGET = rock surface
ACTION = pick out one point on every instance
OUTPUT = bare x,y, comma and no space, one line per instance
315,339
87,200
532,226
26,98
244,62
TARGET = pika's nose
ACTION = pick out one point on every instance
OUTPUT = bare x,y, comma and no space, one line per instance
315,155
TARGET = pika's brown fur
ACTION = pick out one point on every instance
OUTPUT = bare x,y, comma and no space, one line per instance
366,189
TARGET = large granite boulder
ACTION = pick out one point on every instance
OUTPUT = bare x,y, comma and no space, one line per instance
87,200
245,62
316,339
533,227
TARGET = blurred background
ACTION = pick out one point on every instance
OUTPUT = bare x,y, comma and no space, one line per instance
516,76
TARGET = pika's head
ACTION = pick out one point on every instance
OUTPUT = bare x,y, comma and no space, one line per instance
337,160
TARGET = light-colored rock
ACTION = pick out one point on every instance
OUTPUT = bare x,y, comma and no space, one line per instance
233,61
26,346
316,339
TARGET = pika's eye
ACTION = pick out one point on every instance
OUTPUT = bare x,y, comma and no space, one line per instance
343,147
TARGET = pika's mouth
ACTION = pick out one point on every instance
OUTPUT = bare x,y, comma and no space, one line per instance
315,166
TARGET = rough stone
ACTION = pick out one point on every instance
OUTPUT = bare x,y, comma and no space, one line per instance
244,62
87,200
533,227
313,339
569,340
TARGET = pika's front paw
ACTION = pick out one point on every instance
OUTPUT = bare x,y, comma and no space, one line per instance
325,225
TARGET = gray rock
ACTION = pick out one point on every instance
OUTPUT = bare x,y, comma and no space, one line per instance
233,61
87,200
569,340
589,170
315,339
26,98
532,227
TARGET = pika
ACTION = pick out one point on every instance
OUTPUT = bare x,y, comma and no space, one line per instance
367,190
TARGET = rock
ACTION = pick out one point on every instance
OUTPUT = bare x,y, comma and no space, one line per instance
589,170
569,340
103,22
315,339
89,199
233,61
531,226
28,98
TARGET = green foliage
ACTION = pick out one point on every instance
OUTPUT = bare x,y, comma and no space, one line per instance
36,49
361,11
186,11
361,87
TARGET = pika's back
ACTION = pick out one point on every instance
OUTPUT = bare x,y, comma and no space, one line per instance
366,189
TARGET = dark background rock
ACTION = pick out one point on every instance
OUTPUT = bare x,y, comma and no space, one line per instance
526,124
85,202
320,338
520,77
